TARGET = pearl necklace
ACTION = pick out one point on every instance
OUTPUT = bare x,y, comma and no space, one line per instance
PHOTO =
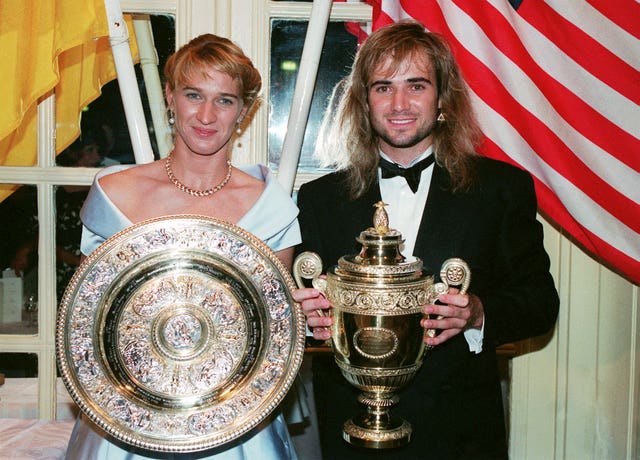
199,193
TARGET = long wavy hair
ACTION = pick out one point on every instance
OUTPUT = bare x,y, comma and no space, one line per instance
207,52
347,140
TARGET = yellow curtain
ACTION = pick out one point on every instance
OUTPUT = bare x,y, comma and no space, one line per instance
52,45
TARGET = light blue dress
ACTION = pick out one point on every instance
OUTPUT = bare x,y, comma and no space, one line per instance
273,218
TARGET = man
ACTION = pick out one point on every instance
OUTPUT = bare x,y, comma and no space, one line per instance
404,104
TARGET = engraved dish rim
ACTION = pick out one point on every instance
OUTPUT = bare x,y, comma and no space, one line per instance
243,405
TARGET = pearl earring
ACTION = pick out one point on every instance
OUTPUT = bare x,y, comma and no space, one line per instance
171,119
238,133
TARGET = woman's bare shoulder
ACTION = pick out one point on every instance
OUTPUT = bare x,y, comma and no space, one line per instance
125,185
127,175
245,179
248,185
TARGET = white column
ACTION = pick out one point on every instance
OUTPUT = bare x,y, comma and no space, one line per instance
155,94
303,93
119,38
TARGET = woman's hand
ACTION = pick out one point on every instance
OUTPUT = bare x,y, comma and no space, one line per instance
316,308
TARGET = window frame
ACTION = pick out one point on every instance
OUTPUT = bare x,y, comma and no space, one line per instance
193,17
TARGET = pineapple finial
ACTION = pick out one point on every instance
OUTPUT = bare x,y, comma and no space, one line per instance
381,218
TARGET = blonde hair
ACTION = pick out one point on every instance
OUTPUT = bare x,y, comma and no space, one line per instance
211,51
347,139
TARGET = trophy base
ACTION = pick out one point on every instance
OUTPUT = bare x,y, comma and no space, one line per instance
396,432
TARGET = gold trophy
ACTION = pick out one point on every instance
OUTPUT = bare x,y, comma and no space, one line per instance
377,340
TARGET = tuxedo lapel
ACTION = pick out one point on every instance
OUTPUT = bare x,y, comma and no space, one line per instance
360,211
332,222
438,224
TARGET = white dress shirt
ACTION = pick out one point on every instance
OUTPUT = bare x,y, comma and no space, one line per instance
405,210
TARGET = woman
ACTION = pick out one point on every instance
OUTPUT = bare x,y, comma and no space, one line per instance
210,88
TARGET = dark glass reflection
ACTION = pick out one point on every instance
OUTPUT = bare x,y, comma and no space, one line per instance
287,39
19,365
69,200
103,124
19,261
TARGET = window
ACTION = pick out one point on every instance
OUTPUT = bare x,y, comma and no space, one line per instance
287,37
288,27
36,213
104,138
19,261
40,236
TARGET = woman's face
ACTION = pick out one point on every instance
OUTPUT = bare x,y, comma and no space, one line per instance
206,110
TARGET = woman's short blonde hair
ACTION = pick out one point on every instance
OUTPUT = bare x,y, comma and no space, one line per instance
207,52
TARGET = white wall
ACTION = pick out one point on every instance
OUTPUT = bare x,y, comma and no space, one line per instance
577,397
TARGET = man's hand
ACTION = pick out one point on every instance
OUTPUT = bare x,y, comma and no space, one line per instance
316,308
458,313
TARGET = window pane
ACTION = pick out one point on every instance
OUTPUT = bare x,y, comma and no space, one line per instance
19,394
104,138
69,200
287,40
19,261
19,365
66,408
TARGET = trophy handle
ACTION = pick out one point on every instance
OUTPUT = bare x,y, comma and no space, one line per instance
308,265
454,272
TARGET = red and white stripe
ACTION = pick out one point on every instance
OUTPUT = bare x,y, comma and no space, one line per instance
556,87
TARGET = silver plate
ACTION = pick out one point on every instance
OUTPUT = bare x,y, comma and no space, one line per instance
179,334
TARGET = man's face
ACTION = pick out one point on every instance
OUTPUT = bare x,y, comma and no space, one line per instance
403,106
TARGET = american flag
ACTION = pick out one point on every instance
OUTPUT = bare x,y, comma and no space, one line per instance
556,87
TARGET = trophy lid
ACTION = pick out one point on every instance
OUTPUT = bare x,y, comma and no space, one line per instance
380,253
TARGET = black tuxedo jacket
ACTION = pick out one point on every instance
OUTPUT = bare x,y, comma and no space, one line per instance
454,403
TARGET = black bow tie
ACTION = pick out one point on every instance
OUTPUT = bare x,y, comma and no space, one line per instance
411,174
